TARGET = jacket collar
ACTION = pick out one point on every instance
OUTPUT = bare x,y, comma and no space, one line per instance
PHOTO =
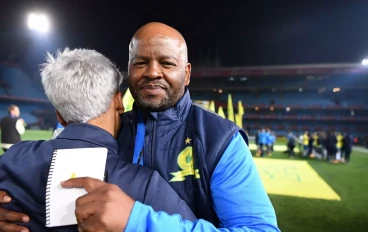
176,113
90,134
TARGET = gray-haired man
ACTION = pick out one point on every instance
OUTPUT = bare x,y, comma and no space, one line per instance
83,86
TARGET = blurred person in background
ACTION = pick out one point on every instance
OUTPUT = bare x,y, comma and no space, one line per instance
262,142
348,145
273,140
339,145
300,143
291,143
257,140
314,145
322,142
12,127
305,143
331,142
319,147
315,139
310,144
269,142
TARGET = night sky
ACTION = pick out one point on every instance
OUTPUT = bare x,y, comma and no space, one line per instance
251,34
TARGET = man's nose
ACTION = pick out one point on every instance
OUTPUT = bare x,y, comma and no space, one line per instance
153,71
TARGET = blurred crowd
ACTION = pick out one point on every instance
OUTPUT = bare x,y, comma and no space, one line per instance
265,140
332,146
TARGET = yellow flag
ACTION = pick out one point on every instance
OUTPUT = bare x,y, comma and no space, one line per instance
212,106
128,101
230,109
221,112
239,115
240,108
237,120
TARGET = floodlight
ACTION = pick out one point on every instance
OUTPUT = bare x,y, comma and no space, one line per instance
39,22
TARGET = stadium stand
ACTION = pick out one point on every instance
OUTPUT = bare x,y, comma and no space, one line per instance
294,97
282,98
20,84
16,87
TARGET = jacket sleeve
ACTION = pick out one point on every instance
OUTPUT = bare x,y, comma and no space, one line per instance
240,200
162,197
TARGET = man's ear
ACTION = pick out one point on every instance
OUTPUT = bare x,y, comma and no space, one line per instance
118,102
61,119
188,70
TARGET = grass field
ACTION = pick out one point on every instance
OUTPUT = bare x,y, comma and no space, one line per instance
317,215
34,135
314,215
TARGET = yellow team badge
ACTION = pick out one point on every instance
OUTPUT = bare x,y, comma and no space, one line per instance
186,164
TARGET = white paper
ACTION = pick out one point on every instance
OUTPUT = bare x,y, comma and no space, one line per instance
68,163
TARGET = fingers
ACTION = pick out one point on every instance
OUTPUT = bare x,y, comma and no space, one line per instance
86,199
103,209
85,211
89,184
94,196
10,216
7,227
90,224
4,197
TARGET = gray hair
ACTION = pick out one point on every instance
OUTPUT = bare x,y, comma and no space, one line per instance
80,83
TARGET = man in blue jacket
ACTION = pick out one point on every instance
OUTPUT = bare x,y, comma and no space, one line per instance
83,86
204,157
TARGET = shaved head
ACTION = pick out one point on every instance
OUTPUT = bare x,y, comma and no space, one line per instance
158,69
158,32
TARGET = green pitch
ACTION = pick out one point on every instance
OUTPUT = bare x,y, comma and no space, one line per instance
34,135
305,214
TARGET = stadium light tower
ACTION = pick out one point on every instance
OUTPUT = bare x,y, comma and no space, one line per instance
365,62
38,22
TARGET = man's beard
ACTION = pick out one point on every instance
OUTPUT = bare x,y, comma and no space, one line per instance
169,100
150,104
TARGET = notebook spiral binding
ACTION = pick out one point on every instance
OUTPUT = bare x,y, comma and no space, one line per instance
48,186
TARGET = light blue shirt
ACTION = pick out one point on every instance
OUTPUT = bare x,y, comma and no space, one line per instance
240,200
263,137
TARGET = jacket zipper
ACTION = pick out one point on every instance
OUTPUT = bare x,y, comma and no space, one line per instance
140,156
134,132
152,145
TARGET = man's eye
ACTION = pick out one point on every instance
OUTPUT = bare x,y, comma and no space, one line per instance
168,64
139,63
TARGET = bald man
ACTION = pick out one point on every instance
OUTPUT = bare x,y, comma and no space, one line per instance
204,157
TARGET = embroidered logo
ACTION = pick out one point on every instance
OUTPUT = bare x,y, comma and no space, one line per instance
186,164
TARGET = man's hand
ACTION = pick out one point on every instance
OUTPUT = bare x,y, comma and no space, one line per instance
105,208
9,217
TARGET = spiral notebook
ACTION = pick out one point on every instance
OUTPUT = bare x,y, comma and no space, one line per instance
66,164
